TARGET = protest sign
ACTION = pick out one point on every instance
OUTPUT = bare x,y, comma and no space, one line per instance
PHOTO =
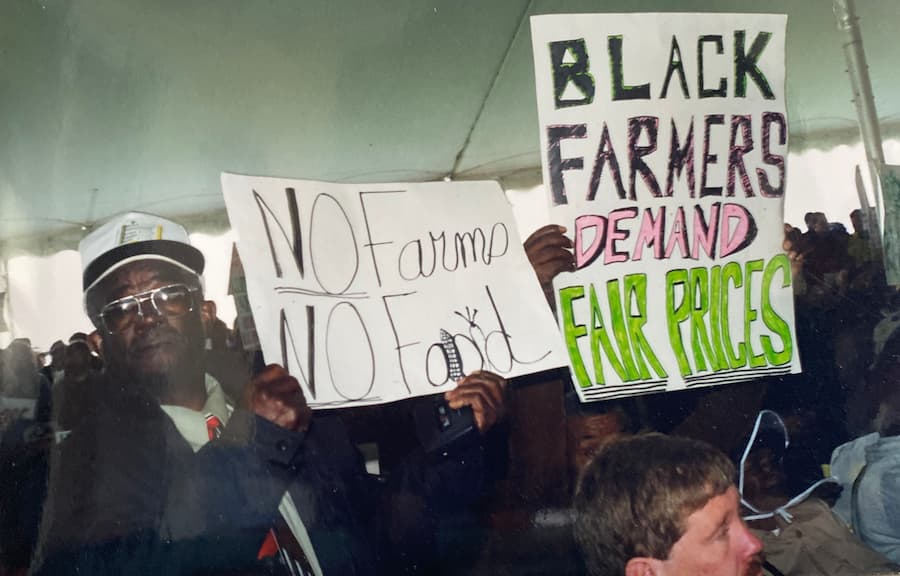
664,141
374,293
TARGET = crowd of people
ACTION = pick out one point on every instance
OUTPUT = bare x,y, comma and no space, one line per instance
159,444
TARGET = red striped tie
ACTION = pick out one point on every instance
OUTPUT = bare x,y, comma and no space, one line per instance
213,426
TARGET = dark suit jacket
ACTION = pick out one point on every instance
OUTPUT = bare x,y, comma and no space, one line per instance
128,495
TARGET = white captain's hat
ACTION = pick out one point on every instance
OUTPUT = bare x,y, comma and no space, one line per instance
134,236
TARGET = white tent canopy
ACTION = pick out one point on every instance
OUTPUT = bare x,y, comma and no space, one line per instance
135,104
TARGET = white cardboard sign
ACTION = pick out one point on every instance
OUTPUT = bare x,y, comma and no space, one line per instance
664,147
374,293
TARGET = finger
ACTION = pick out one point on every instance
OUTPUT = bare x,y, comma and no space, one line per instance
554,241
464,393
266,408
479,400
267,393
271,373
286,391
275,379
487,382
485,376
291,398
483,417
286,418
282,386
543,232
551,253
547,272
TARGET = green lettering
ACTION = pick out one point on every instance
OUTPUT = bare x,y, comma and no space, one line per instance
600,338
619,329
675,316
731,274
751,266
773,321
699,281
636,291
572,332
715,316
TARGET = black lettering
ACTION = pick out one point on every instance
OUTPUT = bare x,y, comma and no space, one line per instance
620,91
476,242
636,153
709,121
575,72
285,336
745,64
293,241
491,253
556,165
445,362
418,262
331,233
705,92
736,153
680,158
506,339
675,65
766,189
371,244
397,345
605,153
343,354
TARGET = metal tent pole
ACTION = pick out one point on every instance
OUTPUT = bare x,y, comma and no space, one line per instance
858,69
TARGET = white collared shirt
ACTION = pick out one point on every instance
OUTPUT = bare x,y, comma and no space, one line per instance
191,424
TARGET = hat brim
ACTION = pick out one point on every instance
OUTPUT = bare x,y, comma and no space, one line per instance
178,253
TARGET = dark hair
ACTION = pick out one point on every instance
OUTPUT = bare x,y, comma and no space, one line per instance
634,497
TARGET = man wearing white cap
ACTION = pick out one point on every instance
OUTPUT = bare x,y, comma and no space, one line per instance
128,493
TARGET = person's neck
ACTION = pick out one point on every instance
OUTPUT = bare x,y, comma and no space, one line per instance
186,390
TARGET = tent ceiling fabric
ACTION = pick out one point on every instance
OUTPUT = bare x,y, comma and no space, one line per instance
137,104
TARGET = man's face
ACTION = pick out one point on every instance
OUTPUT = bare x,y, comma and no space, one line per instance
153,345
716,542
821,224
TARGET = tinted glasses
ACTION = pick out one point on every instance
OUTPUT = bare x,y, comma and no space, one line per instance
167,301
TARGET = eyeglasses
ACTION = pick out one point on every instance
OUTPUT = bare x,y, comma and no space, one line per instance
168,301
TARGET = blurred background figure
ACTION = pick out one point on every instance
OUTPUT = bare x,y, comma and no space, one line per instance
75,393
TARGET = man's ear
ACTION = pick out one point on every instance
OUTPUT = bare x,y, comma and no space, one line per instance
643,567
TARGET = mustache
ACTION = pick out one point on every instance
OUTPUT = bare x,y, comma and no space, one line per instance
157,336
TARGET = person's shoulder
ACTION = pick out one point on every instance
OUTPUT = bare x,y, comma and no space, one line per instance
852,452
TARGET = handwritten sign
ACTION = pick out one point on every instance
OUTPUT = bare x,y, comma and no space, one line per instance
664,141
373,293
